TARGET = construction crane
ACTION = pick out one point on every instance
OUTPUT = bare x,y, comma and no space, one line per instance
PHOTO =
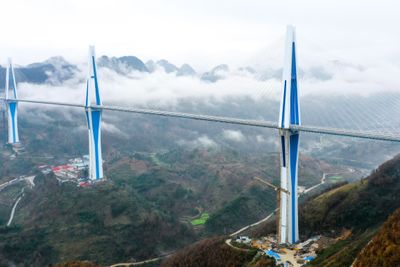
278,190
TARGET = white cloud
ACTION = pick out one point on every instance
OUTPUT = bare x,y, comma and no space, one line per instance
164,91
260,139
158,89
233,135
111,128
202,141
206,141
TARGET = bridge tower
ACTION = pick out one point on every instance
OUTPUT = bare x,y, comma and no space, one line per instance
93,117
11,102
288,231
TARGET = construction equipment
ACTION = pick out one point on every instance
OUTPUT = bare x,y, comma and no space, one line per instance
278,190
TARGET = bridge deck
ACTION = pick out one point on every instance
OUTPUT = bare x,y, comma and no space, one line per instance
236,121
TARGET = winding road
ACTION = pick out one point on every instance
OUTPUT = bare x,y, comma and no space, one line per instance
254,224
317,185
323,179
14,207
127,264
30,180
11,182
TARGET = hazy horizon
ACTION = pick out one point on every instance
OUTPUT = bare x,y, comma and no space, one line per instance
204,33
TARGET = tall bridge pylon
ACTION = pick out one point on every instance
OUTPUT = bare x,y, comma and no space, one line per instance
11,102
288,231
93,117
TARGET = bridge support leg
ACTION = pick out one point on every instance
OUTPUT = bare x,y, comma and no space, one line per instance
288,231
11,105
93,117
289,140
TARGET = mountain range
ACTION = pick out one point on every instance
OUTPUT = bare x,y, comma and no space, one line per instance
56,70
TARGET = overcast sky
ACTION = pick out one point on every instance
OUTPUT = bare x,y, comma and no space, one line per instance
204,32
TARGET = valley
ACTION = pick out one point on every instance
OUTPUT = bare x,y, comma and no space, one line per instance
175,189
148,202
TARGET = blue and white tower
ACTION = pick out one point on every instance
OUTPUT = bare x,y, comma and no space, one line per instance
288,231
93,117
11,104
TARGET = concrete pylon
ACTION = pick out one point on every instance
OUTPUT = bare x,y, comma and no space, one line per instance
288,231
11,101
93,117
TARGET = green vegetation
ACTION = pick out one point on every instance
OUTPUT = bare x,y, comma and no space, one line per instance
104,223
249,207
357,206
137,212
157,161
202,220
336,177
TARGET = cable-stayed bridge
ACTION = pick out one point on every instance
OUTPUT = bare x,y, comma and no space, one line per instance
289,127
372,135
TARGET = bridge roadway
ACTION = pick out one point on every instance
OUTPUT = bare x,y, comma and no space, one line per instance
236,121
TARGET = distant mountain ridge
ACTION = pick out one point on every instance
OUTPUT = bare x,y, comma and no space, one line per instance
122,65
217,73
167,67
56,70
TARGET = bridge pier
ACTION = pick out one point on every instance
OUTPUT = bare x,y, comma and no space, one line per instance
288,230
11,104
93,117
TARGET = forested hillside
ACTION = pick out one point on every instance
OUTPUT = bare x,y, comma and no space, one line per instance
214,252
384,248
360,207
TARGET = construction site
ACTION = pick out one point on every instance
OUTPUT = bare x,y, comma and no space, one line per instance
73,171
286,255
